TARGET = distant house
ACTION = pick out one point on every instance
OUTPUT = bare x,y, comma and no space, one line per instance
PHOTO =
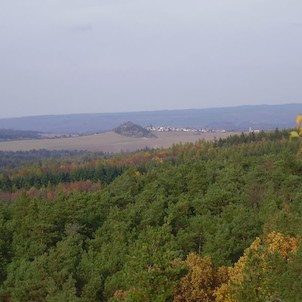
253,130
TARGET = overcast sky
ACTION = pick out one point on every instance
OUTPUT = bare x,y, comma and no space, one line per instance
80,56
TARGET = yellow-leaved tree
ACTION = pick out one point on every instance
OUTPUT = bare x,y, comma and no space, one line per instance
255,276
201,281
298,133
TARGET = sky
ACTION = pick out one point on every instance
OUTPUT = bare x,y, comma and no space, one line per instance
93,56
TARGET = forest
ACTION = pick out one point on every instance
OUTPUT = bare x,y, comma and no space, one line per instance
207,221
8,134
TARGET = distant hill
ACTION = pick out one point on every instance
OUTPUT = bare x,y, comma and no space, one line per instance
266,117
133,130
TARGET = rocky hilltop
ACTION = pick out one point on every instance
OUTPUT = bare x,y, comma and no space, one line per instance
133,130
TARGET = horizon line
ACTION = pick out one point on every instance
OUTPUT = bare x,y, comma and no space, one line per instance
146,111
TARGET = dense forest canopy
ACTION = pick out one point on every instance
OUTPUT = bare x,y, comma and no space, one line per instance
210,221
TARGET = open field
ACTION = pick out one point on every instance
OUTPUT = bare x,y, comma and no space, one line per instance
109,142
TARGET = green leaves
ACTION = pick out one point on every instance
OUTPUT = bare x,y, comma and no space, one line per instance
121,242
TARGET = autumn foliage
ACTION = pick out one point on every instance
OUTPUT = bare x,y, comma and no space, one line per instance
210,221
201,281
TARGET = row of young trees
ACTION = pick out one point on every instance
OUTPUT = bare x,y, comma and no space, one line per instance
105,174
197,222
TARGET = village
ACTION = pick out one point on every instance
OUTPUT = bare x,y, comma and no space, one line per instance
195,130
183,129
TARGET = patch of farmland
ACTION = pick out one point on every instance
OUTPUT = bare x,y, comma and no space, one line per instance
109,142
